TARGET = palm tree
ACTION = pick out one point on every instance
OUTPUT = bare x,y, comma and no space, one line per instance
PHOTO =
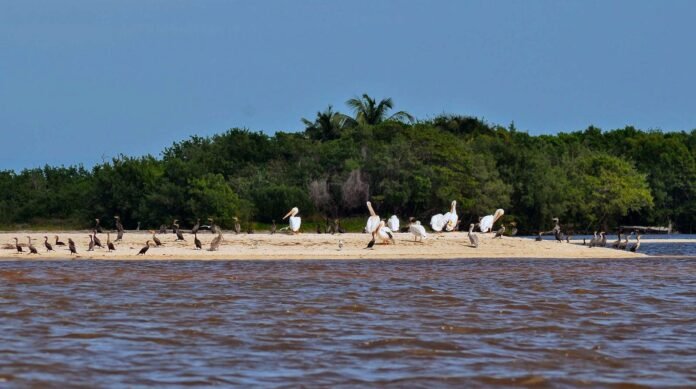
328,125
368,111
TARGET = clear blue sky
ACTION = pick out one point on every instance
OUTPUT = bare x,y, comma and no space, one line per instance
86,80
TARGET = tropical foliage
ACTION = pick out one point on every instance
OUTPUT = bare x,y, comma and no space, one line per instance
589,178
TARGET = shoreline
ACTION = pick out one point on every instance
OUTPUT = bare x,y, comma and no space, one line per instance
307,246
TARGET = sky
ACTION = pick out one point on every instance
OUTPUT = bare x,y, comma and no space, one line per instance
82,82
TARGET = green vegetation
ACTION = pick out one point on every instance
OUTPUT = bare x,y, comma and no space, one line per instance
591,179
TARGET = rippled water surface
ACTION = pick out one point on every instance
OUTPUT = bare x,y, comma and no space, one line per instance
402,323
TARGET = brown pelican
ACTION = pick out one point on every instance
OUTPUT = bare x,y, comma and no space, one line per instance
59,243
155,239
71,246
416,229
144,249
215,243
197,242
636,245
97,241
385,234
91,243
473,238
294,221
447,222
500,232
486,223
373,221
237,226
97,226
273,227
195,228
47,245
109,244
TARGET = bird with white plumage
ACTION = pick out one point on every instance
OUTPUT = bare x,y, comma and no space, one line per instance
293,220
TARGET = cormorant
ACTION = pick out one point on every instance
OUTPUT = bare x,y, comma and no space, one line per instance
177,231
119,229
273,227
71,246
622,245
215,243
109,244
195,228
603,239
48,245
97,226
617,243
91,243
59,243
557,230
97,241
473,238
144,249
17,246
197,242
32,249
155,239
500,232
371,243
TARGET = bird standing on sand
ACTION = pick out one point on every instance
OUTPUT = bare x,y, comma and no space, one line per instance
273,227
417,230
385,233
513,231
622,245
393,223
237,226
603,239
593,241
155,239
97,226
17,246
196,227
32,249
97,241
636,246
500,232
372,221
448,221
119,229
340,245
47,245
197,242
109,244
177,231
58,242
91,243
487,222
144,249
294,220
71,246
538,238
473,238
215,243
371,243
617,242
557,230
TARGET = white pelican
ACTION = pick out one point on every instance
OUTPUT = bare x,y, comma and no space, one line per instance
448,221
416,229
393,223
372,221
486,223
385,233
294,221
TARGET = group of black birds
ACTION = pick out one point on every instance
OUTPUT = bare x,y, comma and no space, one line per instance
598,239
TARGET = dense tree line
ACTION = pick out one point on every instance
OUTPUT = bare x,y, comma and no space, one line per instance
591,178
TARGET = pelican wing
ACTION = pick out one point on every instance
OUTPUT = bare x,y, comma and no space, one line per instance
437,222
295,222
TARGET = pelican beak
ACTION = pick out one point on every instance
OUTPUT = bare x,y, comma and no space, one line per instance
288,214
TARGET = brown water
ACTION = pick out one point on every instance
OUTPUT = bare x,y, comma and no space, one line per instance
331,323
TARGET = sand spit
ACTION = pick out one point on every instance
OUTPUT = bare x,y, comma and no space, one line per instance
305,246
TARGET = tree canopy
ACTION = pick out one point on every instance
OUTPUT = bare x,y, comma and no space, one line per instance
591,178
